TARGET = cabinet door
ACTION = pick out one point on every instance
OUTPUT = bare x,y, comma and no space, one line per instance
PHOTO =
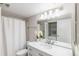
36,52
64,30
32,51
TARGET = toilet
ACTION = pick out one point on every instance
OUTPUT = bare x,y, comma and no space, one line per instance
22,52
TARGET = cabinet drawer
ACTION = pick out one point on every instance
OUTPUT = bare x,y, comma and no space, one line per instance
40,53
32,51
35,52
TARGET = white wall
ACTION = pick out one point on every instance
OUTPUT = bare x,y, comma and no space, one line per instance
31,27
1,37
32,22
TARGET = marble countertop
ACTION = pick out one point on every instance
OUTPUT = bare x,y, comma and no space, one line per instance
53,50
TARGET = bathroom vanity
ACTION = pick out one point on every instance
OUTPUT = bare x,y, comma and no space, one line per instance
44,49
57,30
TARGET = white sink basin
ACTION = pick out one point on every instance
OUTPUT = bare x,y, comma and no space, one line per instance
54,50
45,45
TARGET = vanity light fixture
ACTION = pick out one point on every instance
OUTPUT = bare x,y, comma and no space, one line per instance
51,13
45,15
41,16
56,14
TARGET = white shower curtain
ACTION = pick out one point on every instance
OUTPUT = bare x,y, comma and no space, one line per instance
15,35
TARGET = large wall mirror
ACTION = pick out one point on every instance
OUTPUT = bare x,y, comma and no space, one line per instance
41,25
59,31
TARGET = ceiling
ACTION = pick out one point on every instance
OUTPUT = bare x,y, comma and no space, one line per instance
23,10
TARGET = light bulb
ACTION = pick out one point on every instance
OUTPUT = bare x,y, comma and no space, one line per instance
42,16
45,15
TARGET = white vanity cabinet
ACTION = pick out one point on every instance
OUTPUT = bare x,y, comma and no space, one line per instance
32,51
44,49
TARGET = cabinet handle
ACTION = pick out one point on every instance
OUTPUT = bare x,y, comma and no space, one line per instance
30,49
30,54
41,54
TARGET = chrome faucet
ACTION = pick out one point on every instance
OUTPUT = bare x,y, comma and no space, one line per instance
50,41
